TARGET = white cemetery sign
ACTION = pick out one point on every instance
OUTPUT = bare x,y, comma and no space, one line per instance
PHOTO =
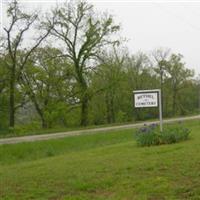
149,98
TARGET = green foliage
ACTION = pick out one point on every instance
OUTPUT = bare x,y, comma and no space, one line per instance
147,136
178,78
174,134
150,135
121,116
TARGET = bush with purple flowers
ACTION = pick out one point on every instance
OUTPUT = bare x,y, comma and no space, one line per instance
151,135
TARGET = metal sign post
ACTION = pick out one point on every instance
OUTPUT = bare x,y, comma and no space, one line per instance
147,99
160,111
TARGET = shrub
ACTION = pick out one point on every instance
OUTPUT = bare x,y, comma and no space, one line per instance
150,135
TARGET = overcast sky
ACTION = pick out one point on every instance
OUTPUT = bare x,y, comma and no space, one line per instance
151,24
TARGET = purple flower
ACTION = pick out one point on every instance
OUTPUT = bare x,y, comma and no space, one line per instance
143,130
153,125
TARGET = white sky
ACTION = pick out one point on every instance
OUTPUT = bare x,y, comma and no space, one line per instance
151,24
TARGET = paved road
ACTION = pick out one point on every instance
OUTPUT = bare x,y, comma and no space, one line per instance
33,138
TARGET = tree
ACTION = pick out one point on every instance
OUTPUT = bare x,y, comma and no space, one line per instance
161,57
3,93
108,81
49,84
20,23
85,35
137,65
178,75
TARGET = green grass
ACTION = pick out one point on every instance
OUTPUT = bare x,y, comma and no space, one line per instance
11,154
101,166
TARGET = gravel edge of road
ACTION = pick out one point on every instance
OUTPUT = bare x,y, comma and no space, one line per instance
33,138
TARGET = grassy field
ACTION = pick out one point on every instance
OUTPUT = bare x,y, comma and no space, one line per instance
101,167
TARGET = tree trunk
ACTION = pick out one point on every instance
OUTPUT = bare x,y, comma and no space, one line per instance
44,123
12,99
109,99
112,112
84,110
39,111
174,103
41,114
137,114
107,108
43,120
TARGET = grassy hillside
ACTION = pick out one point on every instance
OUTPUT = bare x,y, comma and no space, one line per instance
101,166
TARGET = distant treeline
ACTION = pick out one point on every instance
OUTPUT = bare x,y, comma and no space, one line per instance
70,67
